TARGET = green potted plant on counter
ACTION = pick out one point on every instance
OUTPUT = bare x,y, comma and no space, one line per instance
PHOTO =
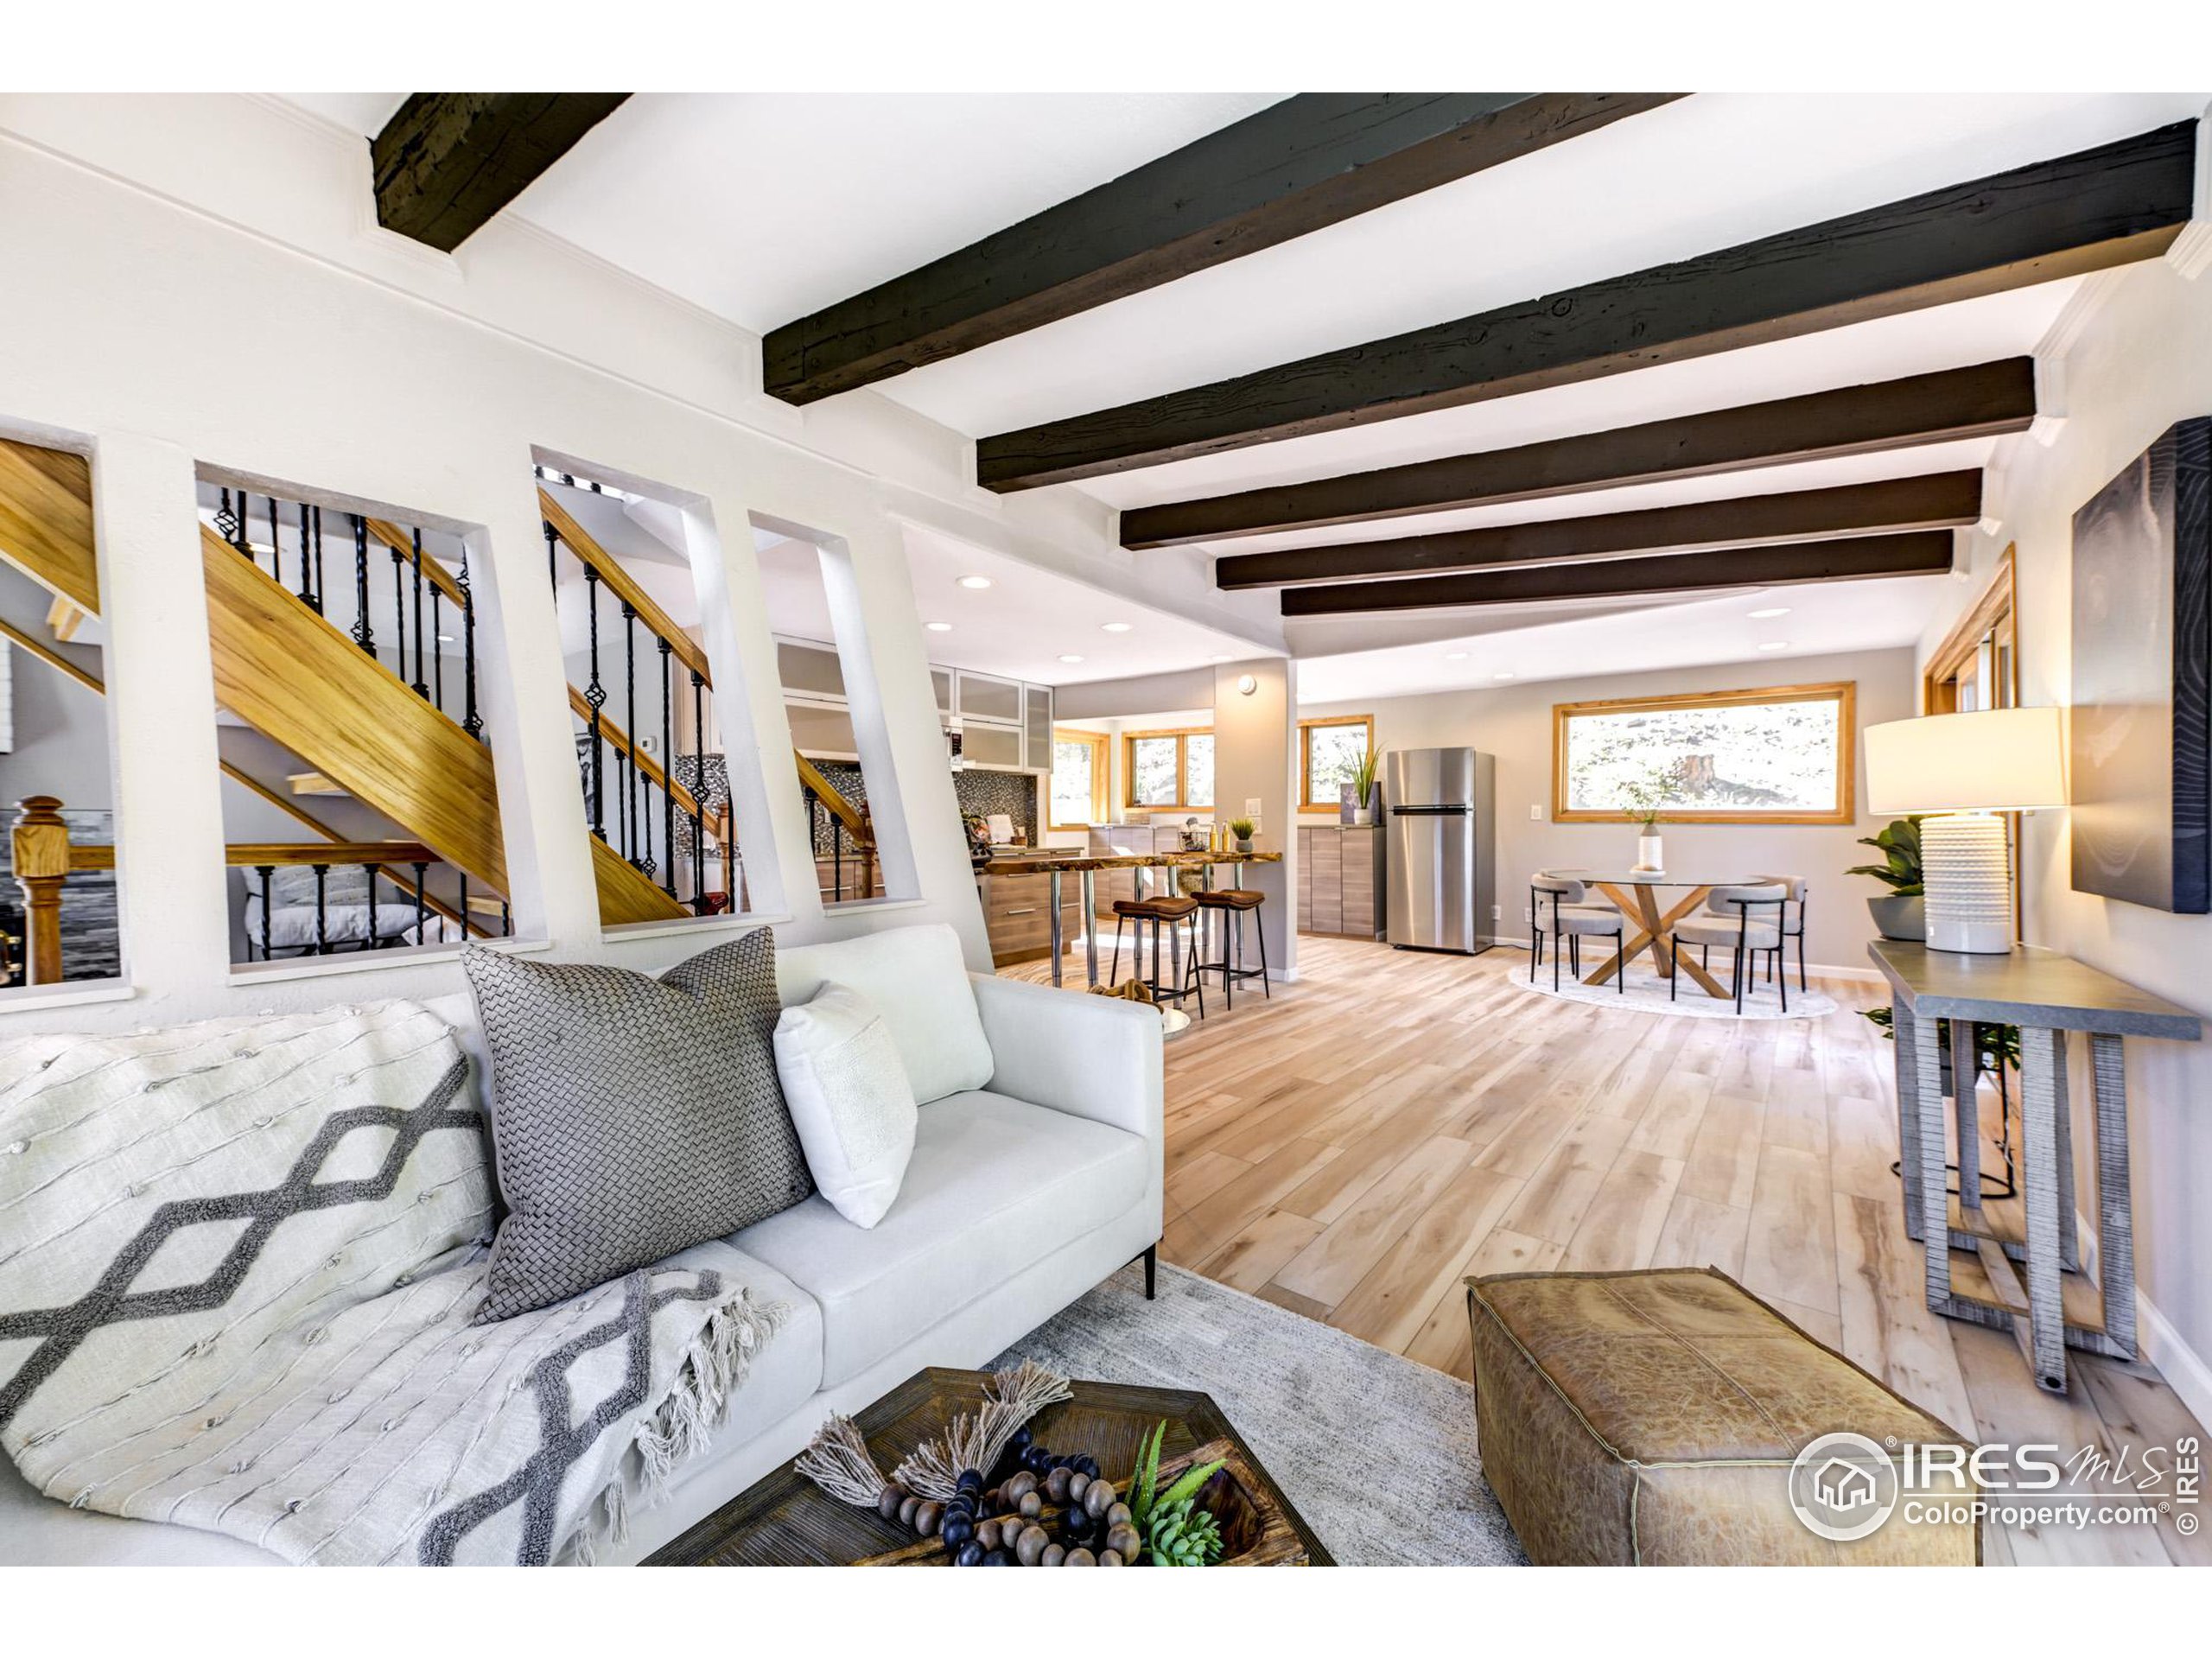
1241,829
1901,914
1362,786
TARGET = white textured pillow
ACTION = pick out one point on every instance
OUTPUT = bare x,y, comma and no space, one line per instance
851,1098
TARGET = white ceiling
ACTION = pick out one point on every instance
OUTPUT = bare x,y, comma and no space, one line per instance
762,208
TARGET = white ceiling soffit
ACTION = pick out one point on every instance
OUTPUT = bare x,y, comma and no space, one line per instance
1549,645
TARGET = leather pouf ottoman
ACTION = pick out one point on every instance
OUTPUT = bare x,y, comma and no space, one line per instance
1654,1419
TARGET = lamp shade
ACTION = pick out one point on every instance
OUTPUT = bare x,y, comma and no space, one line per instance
1999,759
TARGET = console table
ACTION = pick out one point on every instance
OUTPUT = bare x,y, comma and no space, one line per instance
2046,995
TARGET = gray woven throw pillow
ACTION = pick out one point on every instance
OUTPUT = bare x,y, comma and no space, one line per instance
632,1117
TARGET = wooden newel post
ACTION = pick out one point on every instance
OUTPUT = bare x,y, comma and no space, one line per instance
41,859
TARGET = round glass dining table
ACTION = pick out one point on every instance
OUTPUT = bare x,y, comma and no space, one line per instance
1637,894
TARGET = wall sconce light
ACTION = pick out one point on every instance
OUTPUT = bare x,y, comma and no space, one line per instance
1246,685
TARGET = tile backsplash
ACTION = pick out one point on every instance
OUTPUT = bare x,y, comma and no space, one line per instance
982,793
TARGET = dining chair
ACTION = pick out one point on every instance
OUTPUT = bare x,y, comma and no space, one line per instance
1557,905
1727,920
1797,892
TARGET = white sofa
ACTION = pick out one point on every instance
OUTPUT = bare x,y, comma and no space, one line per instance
1019,1197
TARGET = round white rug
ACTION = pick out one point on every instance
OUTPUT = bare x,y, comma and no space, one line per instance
1647,992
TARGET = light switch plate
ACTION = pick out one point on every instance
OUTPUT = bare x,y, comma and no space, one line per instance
1535,813
1251,806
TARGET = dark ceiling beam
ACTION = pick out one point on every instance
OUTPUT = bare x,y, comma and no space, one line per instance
1918,553
1986,400
1932,501
447,161
2105,206
1305,163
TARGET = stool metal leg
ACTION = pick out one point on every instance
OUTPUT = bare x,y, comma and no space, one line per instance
1113,974
1260,928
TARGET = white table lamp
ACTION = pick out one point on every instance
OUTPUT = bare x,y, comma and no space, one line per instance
1963,769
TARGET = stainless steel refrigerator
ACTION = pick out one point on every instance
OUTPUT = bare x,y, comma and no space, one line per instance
1441,860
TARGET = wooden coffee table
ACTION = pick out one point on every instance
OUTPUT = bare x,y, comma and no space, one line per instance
784,1519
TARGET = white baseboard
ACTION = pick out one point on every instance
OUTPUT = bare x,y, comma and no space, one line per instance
2182,1366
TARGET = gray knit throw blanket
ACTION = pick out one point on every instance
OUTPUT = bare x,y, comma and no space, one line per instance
237,1261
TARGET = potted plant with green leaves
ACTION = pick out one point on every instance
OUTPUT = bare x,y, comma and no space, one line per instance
1362,786
1901,914
1642,800
1241,829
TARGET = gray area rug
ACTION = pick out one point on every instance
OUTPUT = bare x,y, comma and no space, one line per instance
1378,1453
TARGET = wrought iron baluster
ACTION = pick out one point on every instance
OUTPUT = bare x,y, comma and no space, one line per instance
473,724
629,810
275,545
836,859
267,873
438,657
699,771
320,590
595,697
422,898
370,870
364,634
552,555
226,521
306,564
399,610
668,759
506,920
463,907
322,909
422,686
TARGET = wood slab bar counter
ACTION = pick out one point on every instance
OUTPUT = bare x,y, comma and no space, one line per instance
1055,865
2046,995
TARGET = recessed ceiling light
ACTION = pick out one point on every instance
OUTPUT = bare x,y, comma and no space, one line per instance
1501,676
1116,627
939,627
445,639
1070,657
1770,611
1221,657
974,581
1455,656
1775,645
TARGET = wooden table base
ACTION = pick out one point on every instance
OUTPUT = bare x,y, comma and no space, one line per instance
1644,911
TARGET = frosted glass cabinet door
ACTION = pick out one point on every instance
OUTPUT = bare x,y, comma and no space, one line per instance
982,697
941,684
997,746
809,670
1038,727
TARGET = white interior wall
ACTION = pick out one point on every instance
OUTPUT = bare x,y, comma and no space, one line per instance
428,399
1514,723
2131,356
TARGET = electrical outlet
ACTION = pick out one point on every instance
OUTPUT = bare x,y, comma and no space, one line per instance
1535,813
1496,912
1525,916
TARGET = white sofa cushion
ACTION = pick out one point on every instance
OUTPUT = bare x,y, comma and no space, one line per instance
917,980
996,1185
848,1095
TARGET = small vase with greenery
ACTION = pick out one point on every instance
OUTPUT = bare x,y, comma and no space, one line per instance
1173,1531
1902,914
1241,829
1642,800
1363,785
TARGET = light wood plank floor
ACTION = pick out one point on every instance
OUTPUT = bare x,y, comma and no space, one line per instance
1356,1147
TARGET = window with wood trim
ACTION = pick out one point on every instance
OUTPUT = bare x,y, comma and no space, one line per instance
1329,752
1977,667
1773,754
1079,779
1167,771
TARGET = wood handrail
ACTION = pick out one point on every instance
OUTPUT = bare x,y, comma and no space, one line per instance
51,657
250,854
686,802
399,542
810,778
578,541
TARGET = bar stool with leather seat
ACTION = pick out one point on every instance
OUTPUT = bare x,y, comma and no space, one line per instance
1232,904
1727,919
1170,912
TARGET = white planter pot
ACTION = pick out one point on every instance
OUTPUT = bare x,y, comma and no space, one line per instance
1362,815
1648,854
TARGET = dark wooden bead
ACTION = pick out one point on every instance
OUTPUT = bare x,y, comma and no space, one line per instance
1016,1488
971,1554
1078,1483
1053,1555
971,1480
907,1505
1109,1557
1056,1485
987,1535
927,1514
1097,1497
1029,1548
1032,1505
1081,1558
956,1530
888,1500
1124,1540
1118,1514
997,1558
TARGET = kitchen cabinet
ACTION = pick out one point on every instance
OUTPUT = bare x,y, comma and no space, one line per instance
986,697
807,668
1018,913
1340,879
995,747
1007,724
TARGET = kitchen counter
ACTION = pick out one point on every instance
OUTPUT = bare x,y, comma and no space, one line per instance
1046,860
1027,912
